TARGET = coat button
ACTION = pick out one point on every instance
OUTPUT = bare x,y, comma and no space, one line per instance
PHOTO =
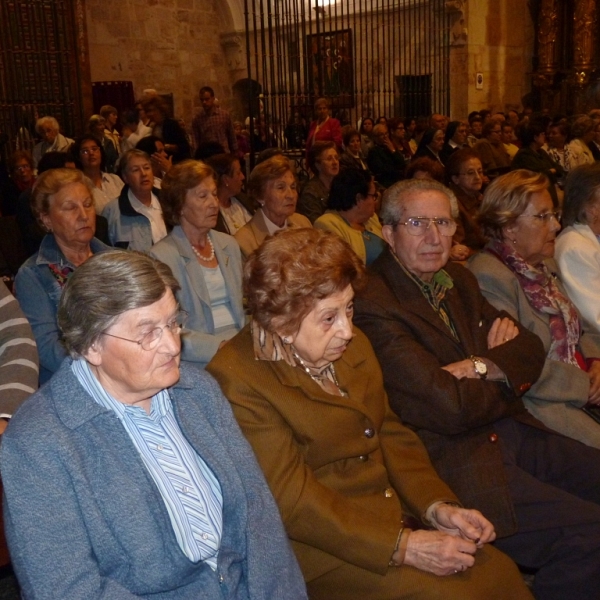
389,492
369,433
221,579
493,437
363,457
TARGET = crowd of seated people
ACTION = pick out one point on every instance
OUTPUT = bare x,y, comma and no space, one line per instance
402,469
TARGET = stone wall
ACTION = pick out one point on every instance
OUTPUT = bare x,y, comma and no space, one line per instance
173,46
499,44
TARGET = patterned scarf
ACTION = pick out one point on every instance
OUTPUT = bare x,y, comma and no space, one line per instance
544,296
61,273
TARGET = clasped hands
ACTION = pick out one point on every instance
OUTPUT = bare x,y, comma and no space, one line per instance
451,547
502,330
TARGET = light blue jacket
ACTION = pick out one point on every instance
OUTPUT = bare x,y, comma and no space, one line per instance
200,343
38,293
85,520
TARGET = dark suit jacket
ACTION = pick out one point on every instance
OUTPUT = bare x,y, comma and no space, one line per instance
455,418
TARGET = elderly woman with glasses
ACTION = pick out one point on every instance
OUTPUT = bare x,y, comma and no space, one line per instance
516,273
308,393
127,476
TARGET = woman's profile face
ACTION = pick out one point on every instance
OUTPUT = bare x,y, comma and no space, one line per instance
326,330
534,232
328,163
235,180
201,207
127,371
460,135
71,216
280,197
437,143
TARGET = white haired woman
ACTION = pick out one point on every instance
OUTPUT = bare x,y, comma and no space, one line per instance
52,140
127,477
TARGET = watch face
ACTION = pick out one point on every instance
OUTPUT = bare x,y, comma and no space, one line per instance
480,367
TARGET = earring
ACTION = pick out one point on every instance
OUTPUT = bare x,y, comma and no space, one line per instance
285,339
514,242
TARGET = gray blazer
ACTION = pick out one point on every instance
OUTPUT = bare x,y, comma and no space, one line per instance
84,519
200,343
561,388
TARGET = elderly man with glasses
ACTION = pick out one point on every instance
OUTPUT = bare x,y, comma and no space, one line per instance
455,369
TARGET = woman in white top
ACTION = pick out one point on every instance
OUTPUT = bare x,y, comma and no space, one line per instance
90,158
582,134
206,263
235,209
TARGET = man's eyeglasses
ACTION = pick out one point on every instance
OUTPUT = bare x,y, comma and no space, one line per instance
151,339
418,226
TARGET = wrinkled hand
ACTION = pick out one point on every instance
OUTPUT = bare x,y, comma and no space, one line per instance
467,523
594,393
459,252
439,553
162,162
502,331
462,369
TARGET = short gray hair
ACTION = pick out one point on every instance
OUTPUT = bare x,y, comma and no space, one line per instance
46,121
103,288
129,155
396,196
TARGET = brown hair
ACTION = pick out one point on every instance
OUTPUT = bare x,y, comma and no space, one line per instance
291,271
222,164
425,164
18,155
315,153
273,168
178,180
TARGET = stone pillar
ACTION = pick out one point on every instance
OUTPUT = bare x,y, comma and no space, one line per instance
584,50
459,58
547,39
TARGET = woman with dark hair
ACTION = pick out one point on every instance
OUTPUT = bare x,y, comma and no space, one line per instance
425,168
578,246
90,158
455,138
167,129
431,145
308,393
398,137
206,263
516,273
494,157
557,149
366,135
324,162
464,176
21,179
351,214
352,157
410,126
235,209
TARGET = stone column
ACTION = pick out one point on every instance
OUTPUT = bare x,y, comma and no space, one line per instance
547,39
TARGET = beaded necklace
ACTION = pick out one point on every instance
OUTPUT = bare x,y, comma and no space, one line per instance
212,251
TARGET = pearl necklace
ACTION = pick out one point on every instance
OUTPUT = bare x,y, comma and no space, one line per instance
212,251
321,378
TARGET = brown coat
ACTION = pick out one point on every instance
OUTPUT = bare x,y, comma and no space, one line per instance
454,418
253,233
342,470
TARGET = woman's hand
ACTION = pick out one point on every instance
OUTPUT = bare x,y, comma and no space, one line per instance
163,162
502,331
469,524
459,252
594,375
439,553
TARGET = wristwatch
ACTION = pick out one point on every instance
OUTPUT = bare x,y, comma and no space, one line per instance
480,367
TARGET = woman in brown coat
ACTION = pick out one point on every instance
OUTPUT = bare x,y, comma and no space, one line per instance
350,480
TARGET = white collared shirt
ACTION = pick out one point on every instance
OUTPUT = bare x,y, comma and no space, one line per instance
153,213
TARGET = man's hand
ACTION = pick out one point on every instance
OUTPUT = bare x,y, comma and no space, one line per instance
501,331
462,369
467,523
439,553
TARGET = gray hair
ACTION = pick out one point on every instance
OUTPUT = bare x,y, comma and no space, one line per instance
581,191
395,197
130,154
46,121
103,288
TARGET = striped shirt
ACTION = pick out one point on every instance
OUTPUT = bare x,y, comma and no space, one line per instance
189,489
19,371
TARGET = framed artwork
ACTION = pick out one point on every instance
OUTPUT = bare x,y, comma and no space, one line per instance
331,66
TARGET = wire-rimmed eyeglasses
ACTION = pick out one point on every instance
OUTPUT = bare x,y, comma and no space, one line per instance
418,226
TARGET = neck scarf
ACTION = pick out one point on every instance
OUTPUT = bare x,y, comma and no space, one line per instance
544,296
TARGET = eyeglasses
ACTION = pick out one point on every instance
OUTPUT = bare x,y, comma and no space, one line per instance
472,173
21,168
90,150
546,217
151,339
418,226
